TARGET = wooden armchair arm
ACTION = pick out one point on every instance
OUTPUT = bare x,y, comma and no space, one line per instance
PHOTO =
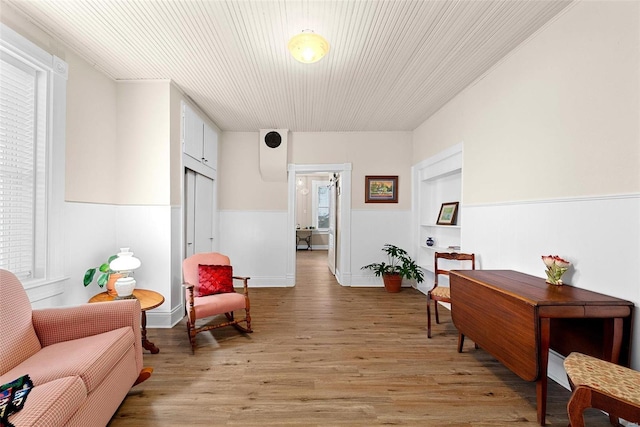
189,292
245,284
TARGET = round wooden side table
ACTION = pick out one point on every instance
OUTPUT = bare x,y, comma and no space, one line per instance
148,300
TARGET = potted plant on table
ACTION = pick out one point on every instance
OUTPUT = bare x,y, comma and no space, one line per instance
400,266
106,276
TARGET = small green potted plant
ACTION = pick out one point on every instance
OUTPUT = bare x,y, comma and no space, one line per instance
400,266
106,276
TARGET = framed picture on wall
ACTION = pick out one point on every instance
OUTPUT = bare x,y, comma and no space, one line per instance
381,189
448,214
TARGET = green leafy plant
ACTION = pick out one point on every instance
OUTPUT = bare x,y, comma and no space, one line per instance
104,270
399,262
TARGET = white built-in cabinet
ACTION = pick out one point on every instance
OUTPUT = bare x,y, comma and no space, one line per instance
200,141
436,180
200,162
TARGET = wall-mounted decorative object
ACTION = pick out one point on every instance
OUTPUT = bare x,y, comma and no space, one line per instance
381,189
448,214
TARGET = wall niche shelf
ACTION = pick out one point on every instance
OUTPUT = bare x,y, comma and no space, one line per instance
436,180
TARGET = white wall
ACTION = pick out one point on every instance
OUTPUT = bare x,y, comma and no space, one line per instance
142,172
91,152
254,213
551,152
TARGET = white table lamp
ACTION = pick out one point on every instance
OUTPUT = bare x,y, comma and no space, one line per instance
124,264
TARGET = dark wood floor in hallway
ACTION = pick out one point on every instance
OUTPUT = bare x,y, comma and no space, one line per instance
327,355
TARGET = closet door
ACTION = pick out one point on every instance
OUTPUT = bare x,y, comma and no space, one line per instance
189,211
199,213
204,211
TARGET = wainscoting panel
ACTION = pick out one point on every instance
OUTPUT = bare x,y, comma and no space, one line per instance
371,229
90,240
600,236
146,230
95,232
255,241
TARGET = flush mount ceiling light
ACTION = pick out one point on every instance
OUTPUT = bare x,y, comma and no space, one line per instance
308,47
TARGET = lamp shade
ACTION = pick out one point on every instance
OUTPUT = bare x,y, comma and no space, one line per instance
308,47
125,261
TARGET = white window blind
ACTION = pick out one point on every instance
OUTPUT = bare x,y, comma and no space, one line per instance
18,148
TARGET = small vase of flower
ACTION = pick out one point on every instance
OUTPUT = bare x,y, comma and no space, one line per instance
556,267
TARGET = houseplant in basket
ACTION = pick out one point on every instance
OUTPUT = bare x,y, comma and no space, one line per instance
106,276
399,266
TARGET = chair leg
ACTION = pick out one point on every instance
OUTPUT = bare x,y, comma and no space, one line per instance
429,317
248,317
435,308
460,342
579,401
191,332
246,329
615,421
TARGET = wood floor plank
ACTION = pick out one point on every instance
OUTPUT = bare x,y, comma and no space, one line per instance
327,355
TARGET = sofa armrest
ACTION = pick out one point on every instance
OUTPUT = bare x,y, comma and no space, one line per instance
54,325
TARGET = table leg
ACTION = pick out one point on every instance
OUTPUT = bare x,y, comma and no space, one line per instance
148,345
541,384
613,338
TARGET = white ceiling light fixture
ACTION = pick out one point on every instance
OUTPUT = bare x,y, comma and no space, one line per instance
308,47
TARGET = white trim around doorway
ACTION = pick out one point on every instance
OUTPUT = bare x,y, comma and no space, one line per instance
343,268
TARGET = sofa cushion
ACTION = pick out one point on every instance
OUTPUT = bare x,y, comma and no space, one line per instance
19,339
91,358
52,403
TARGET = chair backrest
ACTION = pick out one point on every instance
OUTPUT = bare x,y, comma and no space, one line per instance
19,339
451,257
190,264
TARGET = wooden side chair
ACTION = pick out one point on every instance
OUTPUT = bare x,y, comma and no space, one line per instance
208,280
442,293
602,385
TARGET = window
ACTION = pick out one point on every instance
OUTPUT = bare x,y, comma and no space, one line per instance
32,112
320,204
20,151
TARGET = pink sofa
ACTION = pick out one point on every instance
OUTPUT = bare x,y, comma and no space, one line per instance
82,360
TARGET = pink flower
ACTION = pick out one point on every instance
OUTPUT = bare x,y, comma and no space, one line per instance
548,260
556,267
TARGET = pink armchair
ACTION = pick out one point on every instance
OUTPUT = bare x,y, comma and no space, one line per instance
200,307
82,360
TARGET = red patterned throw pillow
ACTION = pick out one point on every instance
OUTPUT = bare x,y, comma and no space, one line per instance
214,279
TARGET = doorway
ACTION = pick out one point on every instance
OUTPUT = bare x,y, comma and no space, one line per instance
316,218
339,244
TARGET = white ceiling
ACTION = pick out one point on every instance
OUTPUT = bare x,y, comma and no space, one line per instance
392,64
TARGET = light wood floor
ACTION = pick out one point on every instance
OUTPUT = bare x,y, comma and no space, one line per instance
324,355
